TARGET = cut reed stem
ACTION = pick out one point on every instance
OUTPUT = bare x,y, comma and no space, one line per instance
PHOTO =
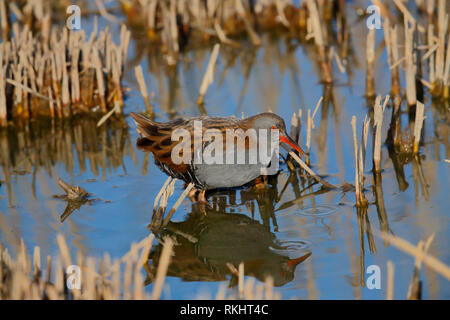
431,262
418,124
177,203
378,124
161,272
319,41
241,280
370,60
143,88
208,78
390,281
311,172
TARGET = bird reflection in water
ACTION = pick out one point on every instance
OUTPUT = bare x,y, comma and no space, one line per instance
210,247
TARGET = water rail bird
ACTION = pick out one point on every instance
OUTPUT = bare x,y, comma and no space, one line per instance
157,138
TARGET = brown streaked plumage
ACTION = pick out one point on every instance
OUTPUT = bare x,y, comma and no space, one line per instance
156,137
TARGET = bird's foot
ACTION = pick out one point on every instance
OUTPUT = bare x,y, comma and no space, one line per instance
260,182
202,208
202,201
200,197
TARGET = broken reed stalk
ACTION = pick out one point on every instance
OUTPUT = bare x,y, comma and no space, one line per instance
4,21
268,285
158,196
162,197
248,26
439,59
431,262
407,15
173,25
446,92
360,154
311,172
355,145
104,13
378,125
418,124
308,135
208,78
339,63
309,126
167,193
241,280
223,37
442,23
177,203
161,272
246,288
415,287
390,281
299,121
116,110
100,79
143,89
64,250
36,261
388,40
191,19
295,127
430,55
319,103
391,41
410,64
280,10
249,289
370,59
29,90
314,17
443,29
3,115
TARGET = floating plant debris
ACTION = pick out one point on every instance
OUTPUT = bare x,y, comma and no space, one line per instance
75,197
73,192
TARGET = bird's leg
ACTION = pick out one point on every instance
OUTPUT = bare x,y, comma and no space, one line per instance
261,182
202,201
191,194
201,197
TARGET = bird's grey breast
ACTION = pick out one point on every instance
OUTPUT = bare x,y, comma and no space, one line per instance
228,168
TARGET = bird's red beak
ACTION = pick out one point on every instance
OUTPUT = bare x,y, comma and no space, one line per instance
286,139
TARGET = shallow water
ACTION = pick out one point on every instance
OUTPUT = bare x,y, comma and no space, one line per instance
264,228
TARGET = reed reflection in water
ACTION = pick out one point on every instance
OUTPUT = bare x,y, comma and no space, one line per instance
34,155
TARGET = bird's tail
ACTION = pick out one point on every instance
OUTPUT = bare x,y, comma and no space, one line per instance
145,126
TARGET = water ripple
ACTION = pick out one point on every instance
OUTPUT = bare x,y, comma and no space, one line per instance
287,247
318,211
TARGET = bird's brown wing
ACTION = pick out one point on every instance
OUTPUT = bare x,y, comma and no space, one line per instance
155,137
